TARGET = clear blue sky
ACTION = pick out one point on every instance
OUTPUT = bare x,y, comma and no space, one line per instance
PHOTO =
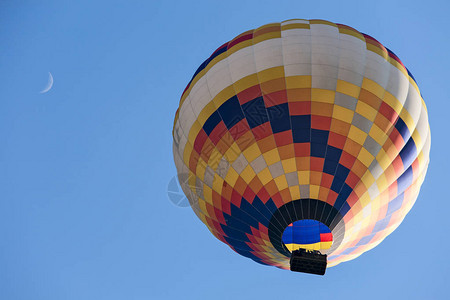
84,168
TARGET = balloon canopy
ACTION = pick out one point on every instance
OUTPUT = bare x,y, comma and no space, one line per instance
301,134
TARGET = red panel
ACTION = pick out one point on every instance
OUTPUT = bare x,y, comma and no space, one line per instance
200,140
218,132
347,160
320,122
302,149
326,237
388,112
317,164
249,94
336,140
300,108
262,131
239,129
283,138
275,98
327,180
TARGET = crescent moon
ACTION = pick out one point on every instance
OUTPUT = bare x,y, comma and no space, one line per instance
49,84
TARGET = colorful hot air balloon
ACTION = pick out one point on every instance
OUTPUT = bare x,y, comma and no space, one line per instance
304,134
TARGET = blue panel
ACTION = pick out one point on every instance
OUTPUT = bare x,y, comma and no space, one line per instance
340,203
408,153
279,117
342,172
212,122
304,232
395,204
336,185
319,136
318,150
403,129
242,216
405,180
330,166
301,128
381,224
333,153
253,212
231,112
255,112
365,240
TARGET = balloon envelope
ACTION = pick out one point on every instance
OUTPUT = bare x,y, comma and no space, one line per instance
304,133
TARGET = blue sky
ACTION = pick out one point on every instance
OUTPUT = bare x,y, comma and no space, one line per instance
84,168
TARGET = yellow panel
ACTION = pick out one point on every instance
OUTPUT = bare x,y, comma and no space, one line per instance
417,139
352,33
383,159
289,165
252,152
248,174
382,182
324,96
267,36
295,192
365,157
357,135
246,82
366,111
298,82
187,153
323,22
201,167
373,87
231,178
214,158
406,117
377,134
239,46
392,102
314,191
207,194
377,50
347,88
325,245
343,114
193,131
271,73
303,177
206,112
281,182
265,176
368,179
295,26
271,156
233,152
223,95
202,206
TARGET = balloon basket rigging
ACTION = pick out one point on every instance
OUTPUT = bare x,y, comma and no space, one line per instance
308,261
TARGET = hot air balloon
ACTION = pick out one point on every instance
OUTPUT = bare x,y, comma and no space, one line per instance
302,144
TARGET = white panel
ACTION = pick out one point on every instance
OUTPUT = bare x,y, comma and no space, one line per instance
373,191
413,103
377,69
218,77
398,84
295,21
324,30
297,69
268,54
201,95
242,63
